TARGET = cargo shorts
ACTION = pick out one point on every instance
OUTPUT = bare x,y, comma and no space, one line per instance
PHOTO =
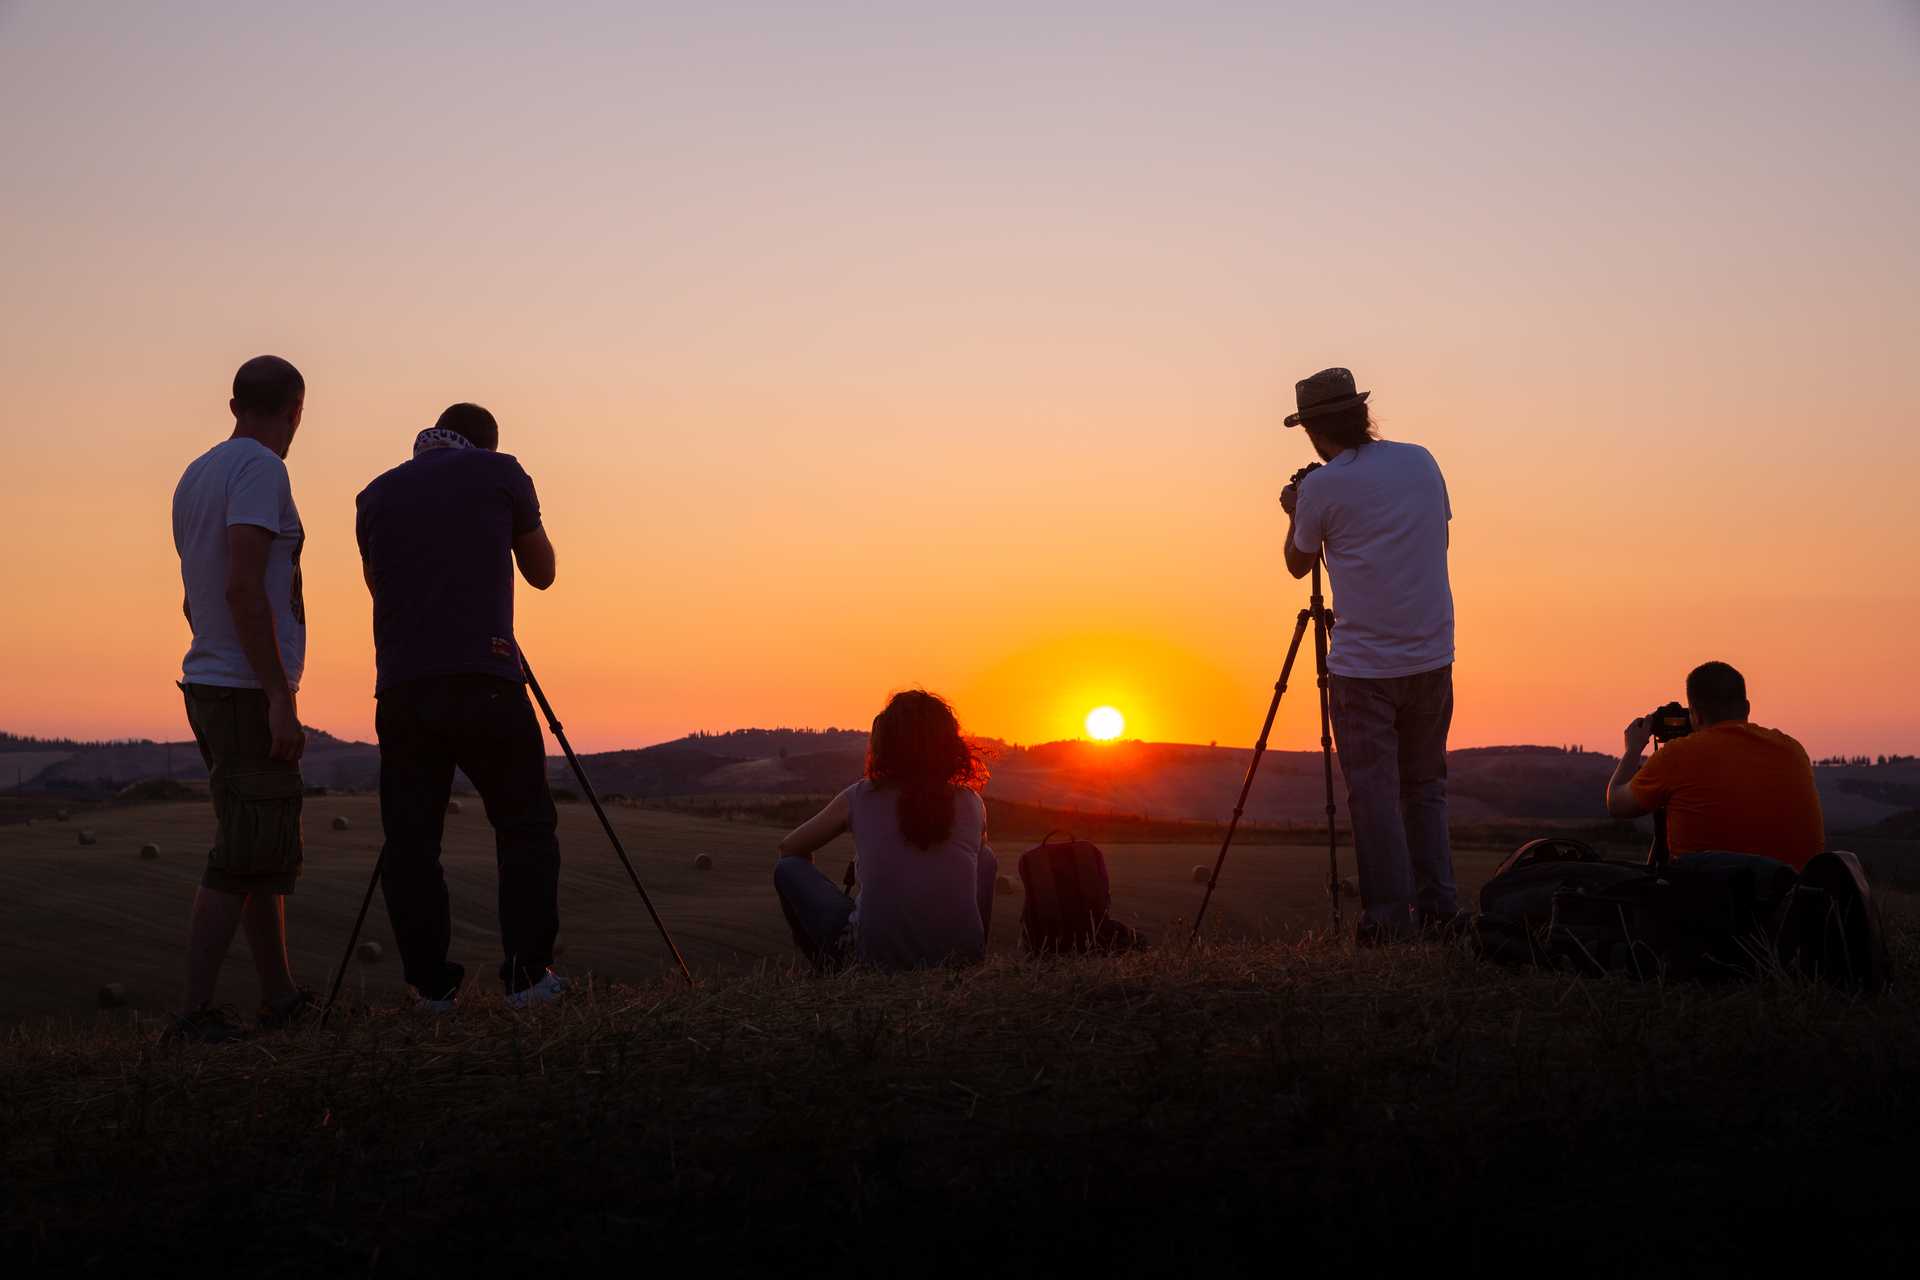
256,799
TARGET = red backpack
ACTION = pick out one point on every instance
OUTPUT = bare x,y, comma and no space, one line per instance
1068,897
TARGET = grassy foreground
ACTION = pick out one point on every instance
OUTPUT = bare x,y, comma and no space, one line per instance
1235,1111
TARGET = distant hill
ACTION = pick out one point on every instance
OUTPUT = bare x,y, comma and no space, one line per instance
1149,780
95,769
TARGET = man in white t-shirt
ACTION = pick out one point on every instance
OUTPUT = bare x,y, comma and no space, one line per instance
239,537
1378,512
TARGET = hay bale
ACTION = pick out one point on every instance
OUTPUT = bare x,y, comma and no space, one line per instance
1003,885
87,837
453,806
368,952
340,822
703,862
1202,874
113,996
148,852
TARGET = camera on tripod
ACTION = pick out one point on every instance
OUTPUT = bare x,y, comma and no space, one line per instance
1670,722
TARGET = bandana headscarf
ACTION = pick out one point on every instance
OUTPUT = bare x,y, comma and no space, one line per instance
439,438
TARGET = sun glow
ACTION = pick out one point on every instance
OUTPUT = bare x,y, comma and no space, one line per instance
1104,724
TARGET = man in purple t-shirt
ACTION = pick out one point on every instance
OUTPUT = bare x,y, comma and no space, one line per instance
440,536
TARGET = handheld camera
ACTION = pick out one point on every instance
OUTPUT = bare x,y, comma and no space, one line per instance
1293,485
1670,722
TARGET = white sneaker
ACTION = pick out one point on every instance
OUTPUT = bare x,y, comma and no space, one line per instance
550,988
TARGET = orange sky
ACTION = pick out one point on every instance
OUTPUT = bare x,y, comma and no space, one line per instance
951,349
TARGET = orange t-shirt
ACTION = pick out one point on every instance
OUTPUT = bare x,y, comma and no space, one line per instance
1736,787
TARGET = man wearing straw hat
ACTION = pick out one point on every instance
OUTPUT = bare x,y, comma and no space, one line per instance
1377,511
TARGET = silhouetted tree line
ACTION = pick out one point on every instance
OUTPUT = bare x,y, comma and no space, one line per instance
14,742
702,735
1862,762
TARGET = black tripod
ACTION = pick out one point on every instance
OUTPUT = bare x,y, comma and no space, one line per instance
553,724
1317,613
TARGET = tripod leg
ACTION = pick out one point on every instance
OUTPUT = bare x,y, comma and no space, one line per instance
1333,833
1321,622
1259,749
339,975
606,824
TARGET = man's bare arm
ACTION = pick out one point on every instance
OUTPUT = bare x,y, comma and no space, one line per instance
247,548
1620,799
1299,563
533,552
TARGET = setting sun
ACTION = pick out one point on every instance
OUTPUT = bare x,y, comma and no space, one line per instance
1104,724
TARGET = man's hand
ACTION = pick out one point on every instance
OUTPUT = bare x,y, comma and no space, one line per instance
1637,735
283,721
1290,496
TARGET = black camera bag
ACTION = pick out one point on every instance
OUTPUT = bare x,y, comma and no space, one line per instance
1709,915
1557,902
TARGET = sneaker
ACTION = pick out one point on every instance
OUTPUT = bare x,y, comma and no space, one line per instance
449,998
210,1025
289,1010
550,988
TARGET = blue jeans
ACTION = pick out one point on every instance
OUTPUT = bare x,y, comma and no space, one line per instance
817,911
1392,736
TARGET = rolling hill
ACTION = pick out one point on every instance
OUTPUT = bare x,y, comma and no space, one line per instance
1151,779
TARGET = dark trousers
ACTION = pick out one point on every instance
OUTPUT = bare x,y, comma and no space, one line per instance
484,726
1392,736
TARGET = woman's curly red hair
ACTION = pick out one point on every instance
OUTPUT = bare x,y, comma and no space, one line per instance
916,748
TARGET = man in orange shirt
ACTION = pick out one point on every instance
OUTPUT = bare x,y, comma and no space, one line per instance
1729,785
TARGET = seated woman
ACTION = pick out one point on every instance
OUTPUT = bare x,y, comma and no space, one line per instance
920,851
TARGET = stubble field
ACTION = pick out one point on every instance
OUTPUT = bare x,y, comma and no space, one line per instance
1250,1106
78,917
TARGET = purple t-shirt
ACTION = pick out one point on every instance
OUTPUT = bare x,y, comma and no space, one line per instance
437,534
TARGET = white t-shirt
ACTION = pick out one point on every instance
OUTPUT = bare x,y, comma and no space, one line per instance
1381,514
238,481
